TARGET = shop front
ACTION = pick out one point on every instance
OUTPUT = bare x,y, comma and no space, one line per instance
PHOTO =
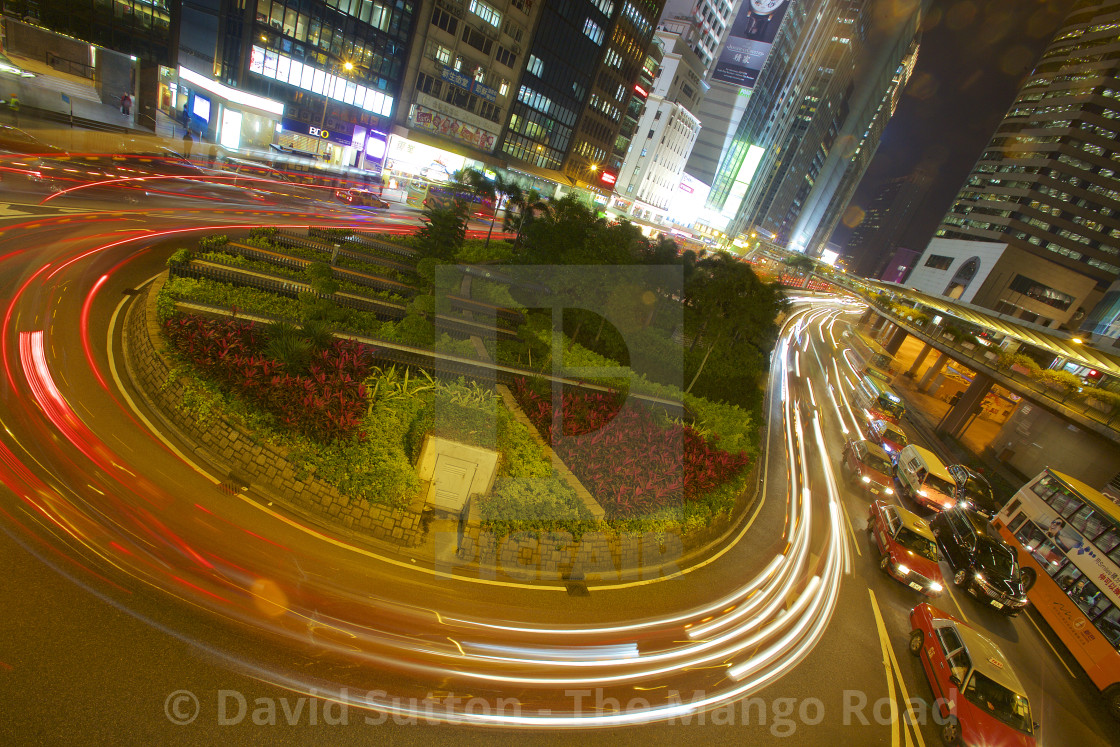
408,161
217,113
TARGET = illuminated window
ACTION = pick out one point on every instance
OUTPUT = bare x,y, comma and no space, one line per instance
486,13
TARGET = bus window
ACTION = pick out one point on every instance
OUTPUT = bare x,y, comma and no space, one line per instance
1065,504
1109,625
1016,521
1040,547
1089,523
1108,541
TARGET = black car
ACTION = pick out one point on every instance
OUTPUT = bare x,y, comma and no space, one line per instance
973,491
982,563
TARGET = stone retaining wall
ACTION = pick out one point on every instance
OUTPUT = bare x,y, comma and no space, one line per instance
251,462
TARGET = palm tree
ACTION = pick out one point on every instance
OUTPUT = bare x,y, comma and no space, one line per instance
497,190
528,204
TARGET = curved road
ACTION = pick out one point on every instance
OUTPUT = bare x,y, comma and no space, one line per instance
174,584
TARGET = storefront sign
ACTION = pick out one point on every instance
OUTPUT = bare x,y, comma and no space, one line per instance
449,127
455,78
409,157
485,92
342,135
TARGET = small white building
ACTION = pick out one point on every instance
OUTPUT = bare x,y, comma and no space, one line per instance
1005,279
666,133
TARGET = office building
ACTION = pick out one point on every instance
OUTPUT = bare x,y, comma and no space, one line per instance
885,220
1035,231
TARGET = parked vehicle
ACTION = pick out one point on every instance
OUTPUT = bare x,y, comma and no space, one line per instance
983,564
973,491
923,478
865,465
888,435
973,684
907,549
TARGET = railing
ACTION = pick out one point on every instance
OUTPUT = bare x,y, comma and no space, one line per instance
326,246
73,67
1044,395
354,276
363,239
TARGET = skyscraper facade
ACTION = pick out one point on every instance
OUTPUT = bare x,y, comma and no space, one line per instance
584,61
819,107
1035,231
887,216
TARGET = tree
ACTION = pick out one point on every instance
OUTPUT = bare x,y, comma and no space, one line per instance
529,204
497,190
728,305
444,230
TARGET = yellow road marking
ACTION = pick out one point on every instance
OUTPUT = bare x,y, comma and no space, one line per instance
889,654
851,529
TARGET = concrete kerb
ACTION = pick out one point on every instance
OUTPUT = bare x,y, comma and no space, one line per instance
328,526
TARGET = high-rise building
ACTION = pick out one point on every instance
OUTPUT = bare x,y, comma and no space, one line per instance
134,27
1035,231
318,77
885,219
808,132
575,93
463,72
667,131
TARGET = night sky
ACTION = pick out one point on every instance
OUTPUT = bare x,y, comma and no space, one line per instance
974,55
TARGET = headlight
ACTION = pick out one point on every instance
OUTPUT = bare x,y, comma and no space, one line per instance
865,478
980,578
936,587
948,505
966,504
887,448
903,569
922,493
889,491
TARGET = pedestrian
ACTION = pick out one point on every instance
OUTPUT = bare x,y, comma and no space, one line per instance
13,105
126,103
188,141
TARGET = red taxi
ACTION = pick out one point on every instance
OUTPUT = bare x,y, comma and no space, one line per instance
888,435
907,549
976,691
865,465
360,198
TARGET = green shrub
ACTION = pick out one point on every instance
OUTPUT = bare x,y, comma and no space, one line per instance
180,257
1063,379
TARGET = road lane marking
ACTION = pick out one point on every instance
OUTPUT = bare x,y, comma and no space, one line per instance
889,654
851,529
1027,615
949,586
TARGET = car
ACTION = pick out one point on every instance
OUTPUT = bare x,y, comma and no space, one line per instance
923,479
15,140
974,491
983,564
360,198
866,465
888,435
977,692
907,549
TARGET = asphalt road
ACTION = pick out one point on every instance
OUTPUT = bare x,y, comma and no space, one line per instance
129,567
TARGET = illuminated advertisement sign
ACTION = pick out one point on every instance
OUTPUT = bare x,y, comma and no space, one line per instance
345,136
608,178
748,43
640,91
449,127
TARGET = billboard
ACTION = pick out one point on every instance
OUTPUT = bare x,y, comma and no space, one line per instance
748,42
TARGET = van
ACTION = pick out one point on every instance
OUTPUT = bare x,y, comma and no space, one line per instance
923,478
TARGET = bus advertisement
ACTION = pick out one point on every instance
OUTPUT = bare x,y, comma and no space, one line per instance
1067,537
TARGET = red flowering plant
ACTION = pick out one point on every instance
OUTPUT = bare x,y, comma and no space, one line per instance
325,402
631,462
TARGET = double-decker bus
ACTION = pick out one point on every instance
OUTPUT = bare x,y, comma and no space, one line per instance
870,358
1067,537
878,401
423,193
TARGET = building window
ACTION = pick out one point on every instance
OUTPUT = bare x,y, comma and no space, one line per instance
592,31
1041,293
486,13
477,40
444,20
535,66
938,262
505,57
